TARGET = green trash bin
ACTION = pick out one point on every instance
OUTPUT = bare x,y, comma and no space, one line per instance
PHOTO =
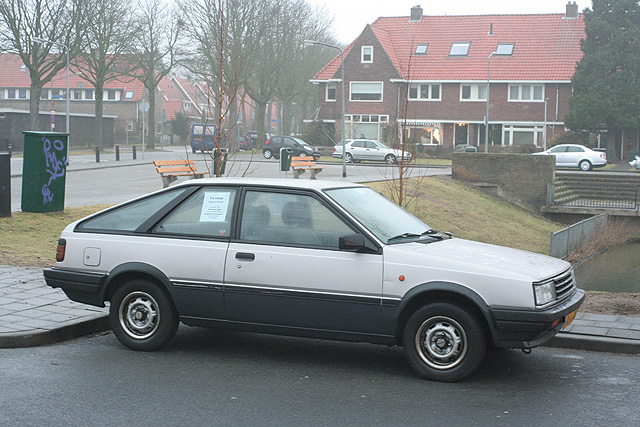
44,171
285,159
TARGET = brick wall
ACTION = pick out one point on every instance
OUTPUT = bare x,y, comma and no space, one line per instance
522,177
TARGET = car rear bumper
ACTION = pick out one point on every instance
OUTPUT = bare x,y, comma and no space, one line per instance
78,286
531,328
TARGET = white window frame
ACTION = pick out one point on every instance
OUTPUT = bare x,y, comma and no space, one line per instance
128,94
326,92
419,92
421,49
475,92
530,87
362,54
502,46
366,100
508,130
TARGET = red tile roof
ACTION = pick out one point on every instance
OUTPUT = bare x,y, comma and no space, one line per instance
547,47
12,76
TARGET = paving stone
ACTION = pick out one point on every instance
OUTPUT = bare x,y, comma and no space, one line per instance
590,330
620,333
617,325
599,317
12,318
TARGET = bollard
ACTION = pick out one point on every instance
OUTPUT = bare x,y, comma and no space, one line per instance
5,185
97,154
134,152
117,153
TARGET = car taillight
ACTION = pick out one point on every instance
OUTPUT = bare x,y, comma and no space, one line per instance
267,141
62,245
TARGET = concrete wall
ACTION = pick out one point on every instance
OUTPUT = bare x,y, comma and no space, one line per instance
522,177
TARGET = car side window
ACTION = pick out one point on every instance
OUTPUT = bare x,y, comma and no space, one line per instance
207,213
575,150
358,144
290,219
371,144
288,142
558,150
130,216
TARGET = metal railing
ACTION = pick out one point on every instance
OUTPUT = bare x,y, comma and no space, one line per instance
565,241
604,195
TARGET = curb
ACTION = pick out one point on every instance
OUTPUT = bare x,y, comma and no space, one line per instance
594,343
38,337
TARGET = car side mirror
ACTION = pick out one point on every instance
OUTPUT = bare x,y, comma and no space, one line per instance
351,242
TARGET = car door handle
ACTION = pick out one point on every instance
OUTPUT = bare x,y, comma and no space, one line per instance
245,256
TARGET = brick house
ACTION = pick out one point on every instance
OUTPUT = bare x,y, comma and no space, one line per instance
428,75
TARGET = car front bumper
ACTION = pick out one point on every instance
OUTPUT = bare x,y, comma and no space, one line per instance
531,328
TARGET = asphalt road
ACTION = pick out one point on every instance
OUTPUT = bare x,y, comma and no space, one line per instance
207,377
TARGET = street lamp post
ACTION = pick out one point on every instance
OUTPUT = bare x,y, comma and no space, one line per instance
66,50
486,117
344,136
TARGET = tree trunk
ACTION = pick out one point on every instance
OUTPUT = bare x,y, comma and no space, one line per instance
34,107
151,135
260,115
612,152
98,113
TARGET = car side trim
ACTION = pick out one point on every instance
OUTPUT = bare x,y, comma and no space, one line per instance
327,296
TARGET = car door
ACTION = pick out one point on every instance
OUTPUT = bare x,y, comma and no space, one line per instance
285,269
560,153
374,152
574,155
358,150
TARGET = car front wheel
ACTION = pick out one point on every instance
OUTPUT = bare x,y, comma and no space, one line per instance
267,154
390,159
444,342
585,165
348,157
142,315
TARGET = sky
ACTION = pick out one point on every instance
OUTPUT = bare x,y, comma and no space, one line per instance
351,16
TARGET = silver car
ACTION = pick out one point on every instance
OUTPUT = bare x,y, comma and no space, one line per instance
576,156
369,149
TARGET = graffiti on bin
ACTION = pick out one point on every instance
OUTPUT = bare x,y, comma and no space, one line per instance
55,166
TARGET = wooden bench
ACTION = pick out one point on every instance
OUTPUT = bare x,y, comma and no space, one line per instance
170,170
301,164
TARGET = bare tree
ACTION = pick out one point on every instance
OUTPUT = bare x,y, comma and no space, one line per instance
107,50
157,42
59,21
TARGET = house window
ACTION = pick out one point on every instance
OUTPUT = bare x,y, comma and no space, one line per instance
366,91
522,135
111,95
504,49
459,49
44,94
88,94
527,92
22,93
186,106
57,94
424,92
332,90
11,93
77,94
421,49
128,94
473,92
366,54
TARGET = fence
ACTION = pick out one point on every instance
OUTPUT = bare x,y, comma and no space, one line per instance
565,241
588,194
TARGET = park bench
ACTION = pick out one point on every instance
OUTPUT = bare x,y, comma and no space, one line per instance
300,165
170,170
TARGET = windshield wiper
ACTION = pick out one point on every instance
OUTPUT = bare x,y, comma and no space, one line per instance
433,233
403,236
430,233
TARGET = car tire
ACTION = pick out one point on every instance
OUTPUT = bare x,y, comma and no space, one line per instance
585,165
267,154
444,342
142,315
193,150
302,155
349,158
390,159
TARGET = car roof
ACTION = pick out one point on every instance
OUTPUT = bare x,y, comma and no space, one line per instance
273,182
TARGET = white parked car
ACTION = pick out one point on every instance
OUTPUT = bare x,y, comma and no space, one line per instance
309,258
576,156
369,149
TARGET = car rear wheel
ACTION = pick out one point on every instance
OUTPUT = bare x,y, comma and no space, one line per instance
444,342
267,154
142,315
390,159
193,149
585,165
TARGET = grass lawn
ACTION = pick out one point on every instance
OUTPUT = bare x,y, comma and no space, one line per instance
31,238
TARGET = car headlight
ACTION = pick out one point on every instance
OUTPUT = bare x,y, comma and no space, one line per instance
308,148
544,292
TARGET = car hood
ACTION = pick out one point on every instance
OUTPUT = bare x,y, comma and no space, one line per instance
481,258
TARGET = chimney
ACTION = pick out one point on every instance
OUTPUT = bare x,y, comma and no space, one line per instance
416,14
572,11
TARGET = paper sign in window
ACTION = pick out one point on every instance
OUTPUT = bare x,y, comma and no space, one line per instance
215,207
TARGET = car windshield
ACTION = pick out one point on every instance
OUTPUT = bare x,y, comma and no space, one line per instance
382,145
386,220
299,141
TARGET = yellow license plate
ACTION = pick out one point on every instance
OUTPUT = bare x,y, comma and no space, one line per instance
569,318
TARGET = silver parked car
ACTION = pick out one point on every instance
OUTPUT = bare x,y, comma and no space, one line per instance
310,258
369,149
576,156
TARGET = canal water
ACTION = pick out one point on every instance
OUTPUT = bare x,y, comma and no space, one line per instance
614,270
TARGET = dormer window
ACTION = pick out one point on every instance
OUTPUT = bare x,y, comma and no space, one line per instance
366,54
459,49
505,49
421,49
23,67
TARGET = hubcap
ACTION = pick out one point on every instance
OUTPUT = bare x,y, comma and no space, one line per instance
139,315
441,342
